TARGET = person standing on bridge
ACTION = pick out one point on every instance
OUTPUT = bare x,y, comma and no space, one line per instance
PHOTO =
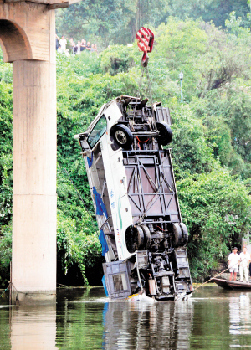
233,262
244,263
62,43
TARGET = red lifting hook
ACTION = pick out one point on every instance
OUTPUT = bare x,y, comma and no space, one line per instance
145,39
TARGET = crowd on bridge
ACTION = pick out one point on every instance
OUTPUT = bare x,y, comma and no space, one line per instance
67,47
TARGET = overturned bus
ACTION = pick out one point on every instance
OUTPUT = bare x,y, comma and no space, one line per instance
133,189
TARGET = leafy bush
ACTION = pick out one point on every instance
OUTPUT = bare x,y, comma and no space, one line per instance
118,58
5,253
217,210
6,159
77,245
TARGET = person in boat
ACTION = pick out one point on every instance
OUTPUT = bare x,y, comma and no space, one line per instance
244,263
233,263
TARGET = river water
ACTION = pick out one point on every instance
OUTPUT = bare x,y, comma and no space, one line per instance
85,319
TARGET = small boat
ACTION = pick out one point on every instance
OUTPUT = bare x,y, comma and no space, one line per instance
232,285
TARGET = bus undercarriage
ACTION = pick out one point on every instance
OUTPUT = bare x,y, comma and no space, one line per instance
135,197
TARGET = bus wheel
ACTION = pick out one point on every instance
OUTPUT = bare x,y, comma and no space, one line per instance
134,238
165,133
184,233
122,135
177,231
147,235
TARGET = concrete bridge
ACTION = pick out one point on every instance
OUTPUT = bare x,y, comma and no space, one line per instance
27,37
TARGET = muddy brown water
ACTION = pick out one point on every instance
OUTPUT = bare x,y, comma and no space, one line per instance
85,319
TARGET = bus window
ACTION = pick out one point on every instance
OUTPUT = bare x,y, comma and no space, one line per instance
97,132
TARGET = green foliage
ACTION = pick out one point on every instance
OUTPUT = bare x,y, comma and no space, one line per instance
116,22
118,58
5,148
229,107
93,19
190,150
83,65
77,242
209,10
6,73
5,253
210,204
180,45
218,135
6,166
109,22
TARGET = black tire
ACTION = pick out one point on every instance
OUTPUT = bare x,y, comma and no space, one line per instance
140,237
177,233
165,133
130,240
147,235
134,238
122,135
184,233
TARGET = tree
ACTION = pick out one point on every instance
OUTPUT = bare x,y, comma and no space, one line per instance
97,20
116,21
209,10
6,159
217,209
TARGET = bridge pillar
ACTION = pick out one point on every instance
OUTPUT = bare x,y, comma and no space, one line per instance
34,177
27,36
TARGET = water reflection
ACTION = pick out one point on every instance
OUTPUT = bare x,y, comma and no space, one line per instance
33,328
222,319
213,319
164,325
80,319
239,314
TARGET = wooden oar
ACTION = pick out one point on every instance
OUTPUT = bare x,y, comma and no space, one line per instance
218,274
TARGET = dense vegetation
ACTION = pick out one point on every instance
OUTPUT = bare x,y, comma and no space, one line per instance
116,21
211,146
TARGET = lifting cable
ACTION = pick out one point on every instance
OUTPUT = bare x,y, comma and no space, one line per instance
145,72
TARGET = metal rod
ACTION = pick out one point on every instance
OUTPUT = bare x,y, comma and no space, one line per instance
145,133
10,285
